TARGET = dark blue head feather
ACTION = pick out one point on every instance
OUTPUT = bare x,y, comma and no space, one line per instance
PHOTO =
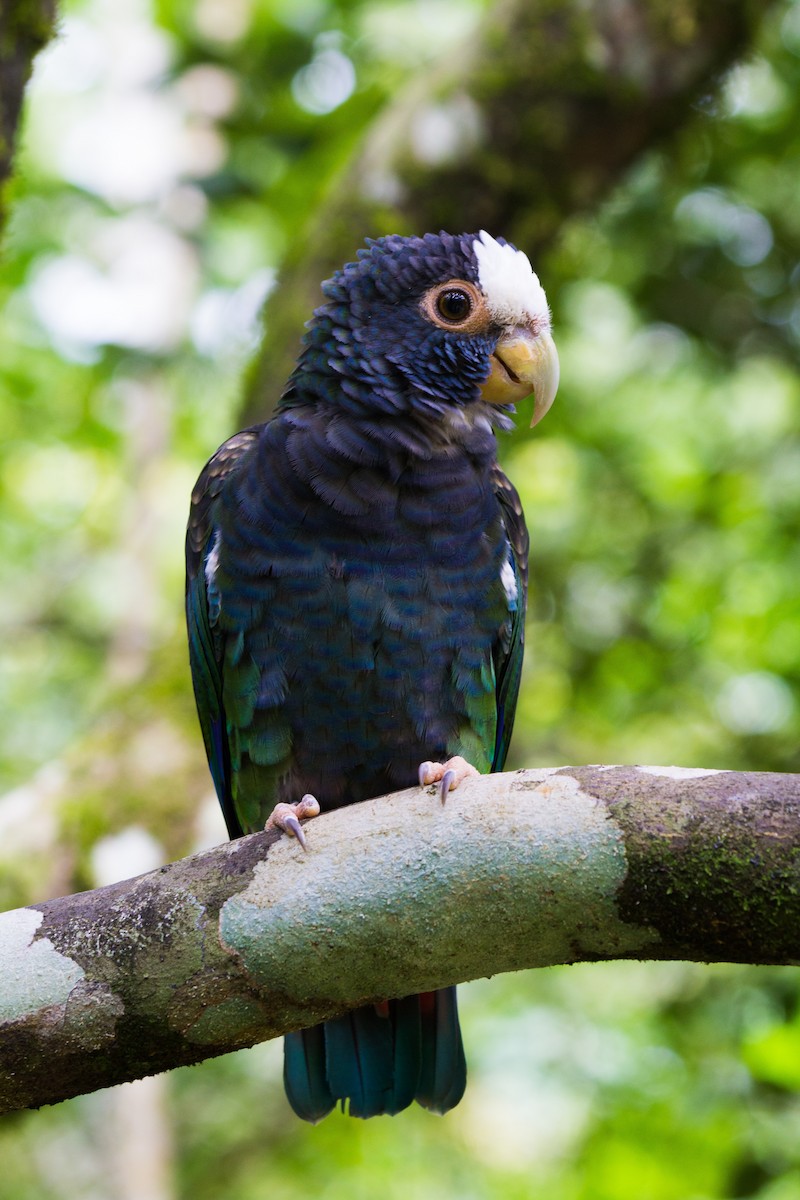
370,349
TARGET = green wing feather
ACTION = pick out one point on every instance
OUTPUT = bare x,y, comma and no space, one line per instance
508,656
206,645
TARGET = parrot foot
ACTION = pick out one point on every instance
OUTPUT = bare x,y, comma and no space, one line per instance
451,773
288,817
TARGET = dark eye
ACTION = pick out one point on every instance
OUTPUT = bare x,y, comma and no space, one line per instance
454,304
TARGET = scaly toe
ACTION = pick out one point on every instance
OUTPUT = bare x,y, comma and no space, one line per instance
451,773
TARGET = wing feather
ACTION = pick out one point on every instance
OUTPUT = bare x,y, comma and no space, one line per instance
206,647
509,649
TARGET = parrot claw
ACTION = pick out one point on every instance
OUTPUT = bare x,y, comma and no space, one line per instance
288,817
450,774
448,781
293,827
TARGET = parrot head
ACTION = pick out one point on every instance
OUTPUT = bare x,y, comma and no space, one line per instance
423,325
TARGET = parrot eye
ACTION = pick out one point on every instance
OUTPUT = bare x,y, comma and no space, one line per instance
454,305
457,305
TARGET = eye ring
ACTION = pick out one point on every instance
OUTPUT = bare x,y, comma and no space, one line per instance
456,305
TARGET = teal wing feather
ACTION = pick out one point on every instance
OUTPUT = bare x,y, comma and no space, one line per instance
509,650
206,643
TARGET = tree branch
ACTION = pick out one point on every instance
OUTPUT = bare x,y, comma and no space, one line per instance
536,119
396,895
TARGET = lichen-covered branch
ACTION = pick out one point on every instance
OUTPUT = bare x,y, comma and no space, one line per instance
396,895
534,120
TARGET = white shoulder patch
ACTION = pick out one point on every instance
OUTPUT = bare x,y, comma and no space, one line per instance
511,286
212,562
509,582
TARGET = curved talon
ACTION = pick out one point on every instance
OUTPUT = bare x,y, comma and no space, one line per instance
292,826
447,782
288,817
425,769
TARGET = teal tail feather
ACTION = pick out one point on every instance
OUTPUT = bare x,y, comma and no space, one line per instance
377,1060
304,1074
443,1074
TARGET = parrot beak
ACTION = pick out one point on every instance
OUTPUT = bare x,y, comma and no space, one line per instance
523,363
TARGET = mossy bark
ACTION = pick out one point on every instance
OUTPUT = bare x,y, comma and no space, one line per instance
25,27
535,120
395,895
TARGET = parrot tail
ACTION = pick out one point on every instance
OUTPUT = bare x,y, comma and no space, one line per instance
380,1058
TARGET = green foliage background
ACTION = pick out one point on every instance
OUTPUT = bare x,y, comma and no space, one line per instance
663,497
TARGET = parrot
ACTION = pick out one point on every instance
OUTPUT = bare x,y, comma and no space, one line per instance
356,589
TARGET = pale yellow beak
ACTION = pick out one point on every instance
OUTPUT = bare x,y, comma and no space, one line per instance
523,363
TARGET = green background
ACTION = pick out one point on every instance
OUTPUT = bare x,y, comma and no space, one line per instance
171,157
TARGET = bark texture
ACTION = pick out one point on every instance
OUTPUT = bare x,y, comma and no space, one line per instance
25,27
536,120
396,895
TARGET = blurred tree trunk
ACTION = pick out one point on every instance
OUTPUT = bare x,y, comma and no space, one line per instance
523,869
25,27
536,120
